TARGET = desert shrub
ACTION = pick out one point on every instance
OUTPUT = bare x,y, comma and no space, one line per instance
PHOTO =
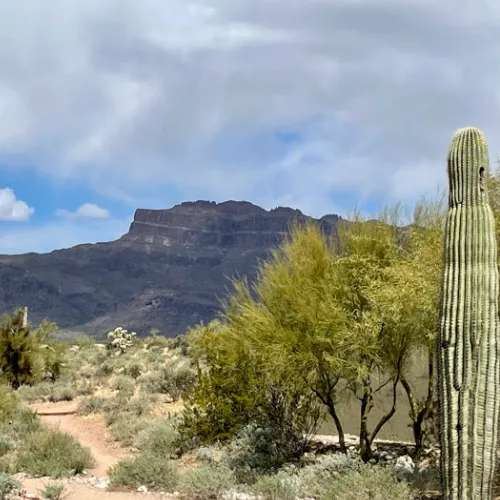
94,404
84,342
125,385
125,429
156,341
221,402
161,438
37,392
53,359
20,357
105,369
62,393
277,434
8,403
53,491
8,485
279,486
172,380
24,422
318,476
48,452
208,481
153,471
6,445
376,483
134,370
181,344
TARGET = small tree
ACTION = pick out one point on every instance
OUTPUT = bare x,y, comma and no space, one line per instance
20,356
408,298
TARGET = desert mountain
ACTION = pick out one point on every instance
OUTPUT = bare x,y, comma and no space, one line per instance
168,272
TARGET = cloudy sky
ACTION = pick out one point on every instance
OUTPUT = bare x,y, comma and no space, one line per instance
111,105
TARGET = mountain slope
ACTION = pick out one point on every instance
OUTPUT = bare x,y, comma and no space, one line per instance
168,272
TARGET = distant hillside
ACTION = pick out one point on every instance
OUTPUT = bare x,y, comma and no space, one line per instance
168,272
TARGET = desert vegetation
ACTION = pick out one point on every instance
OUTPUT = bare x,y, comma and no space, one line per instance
233,407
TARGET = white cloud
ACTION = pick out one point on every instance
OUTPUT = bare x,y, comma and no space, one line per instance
13,209
89,210
135,96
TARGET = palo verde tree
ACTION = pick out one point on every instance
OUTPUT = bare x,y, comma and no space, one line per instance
408,301
294,320
312,313
234,389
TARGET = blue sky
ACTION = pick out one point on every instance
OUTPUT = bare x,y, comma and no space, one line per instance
322,106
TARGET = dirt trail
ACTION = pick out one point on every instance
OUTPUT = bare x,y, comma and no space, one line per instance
92,433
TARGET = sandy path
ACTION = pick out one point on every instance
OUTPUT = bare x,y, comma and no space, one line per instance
92,433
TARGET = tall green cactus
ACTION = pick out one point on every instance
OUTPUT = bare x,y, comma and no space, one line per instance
467,340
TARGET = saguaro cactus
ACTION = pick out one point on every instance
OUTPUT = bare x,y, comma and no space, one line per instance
467,347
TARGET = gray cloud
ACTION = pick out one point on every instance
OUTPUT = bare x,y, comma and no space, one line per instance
190,94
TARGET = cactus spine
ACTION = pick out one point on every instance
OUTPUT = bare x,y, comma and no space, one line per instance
467,340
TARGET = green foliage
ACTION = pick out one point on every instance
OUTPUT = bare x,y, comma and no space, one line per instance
48,452
161,438
276,436
28,356
53,491
20,356
226,396
207,481
148,469
8,403
8,485
376,483
279,486
176,381
125,385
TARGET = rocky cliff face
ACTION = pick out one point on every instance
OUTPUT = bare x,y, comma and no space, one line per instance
168,272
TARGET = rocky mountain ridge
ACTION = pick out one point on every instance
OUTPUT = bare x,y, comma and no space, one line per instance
168,272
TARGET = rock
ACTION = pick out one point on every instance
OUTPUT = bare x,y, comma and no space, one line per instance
404,463
102,483
142,489
309,457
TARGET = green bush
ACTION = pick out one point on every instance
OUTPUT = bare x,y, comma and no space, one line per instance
53,491
24,422
153,471
208,481
162,438
8,485
376,483
157,341
6,445
94,404
125,385
125,429
171,380
134,370
279,486
62,393
48,452
20,357
277,435
8,403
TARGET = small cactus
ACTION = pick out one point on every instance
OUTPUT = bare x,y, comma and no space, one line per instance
119,341
467,344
